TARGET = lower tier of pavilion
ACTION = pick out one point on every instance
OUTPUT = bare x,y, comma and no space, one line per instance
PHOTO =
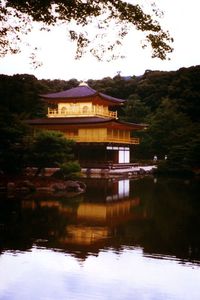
91,129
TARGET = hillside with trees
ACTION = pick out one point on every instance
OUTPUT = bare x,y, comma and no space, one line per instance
169,102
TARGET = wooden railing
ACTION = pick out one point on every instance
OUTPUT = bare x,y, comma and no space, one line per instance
95,111
90,139
134,141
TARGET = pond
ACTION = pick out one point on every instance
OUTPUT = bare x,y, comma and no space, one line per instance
126,239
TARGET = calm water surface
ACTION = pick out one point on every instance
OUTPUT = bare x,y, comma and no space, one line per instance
123,239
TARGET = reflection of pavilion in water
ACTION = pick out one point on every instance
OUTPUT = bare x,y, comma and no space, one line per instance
96,221
104,190
93,222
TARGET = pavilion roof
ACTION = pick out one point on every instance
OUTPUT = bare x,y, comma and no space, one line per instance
80,91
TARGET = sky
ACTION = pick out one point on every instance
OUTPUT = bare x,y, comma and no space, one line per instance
181,18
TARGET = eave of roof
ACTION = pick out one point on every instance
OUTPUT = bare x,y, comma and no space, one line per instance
133,125
68,121
84,121
112,99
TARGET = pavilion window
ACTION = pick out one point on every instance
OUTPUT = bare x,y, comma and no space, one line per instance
121,135
63,110
126,134
85,109
115,133
73,107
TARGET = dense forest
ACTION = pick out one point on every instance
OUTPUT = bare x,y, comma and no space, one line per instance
169,102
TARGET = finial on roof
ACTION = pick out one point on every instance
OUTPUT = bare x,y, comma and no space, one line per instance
83,83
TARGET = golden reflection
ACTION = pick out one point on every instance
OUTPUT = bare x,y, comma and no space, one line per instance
90,222
84,235
96,216
104,211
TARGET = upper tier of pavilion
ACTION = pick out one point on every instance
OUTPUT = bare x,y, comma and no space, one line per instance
81,101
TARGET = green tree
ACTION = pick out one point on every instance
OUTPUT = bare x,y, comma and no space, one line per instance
168,127
50,149
20,94
17,17
135,110
13,145
184,158
69,170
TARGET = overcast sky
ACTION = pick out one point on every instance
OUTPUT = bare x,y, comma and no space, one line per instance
57,53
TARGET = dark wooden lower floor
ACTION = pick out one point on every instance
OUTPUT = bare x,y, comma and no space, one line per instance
103,155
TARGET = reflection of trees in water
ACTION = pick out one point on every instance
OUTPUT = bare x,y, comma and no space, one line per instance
162,218
29,222
174,226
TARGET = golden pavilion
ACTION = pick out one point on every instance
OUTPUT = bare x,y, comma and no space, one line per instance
90,119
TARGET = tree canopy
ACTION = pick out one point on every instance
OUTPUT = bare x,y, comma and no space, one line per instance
17,18
50,148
